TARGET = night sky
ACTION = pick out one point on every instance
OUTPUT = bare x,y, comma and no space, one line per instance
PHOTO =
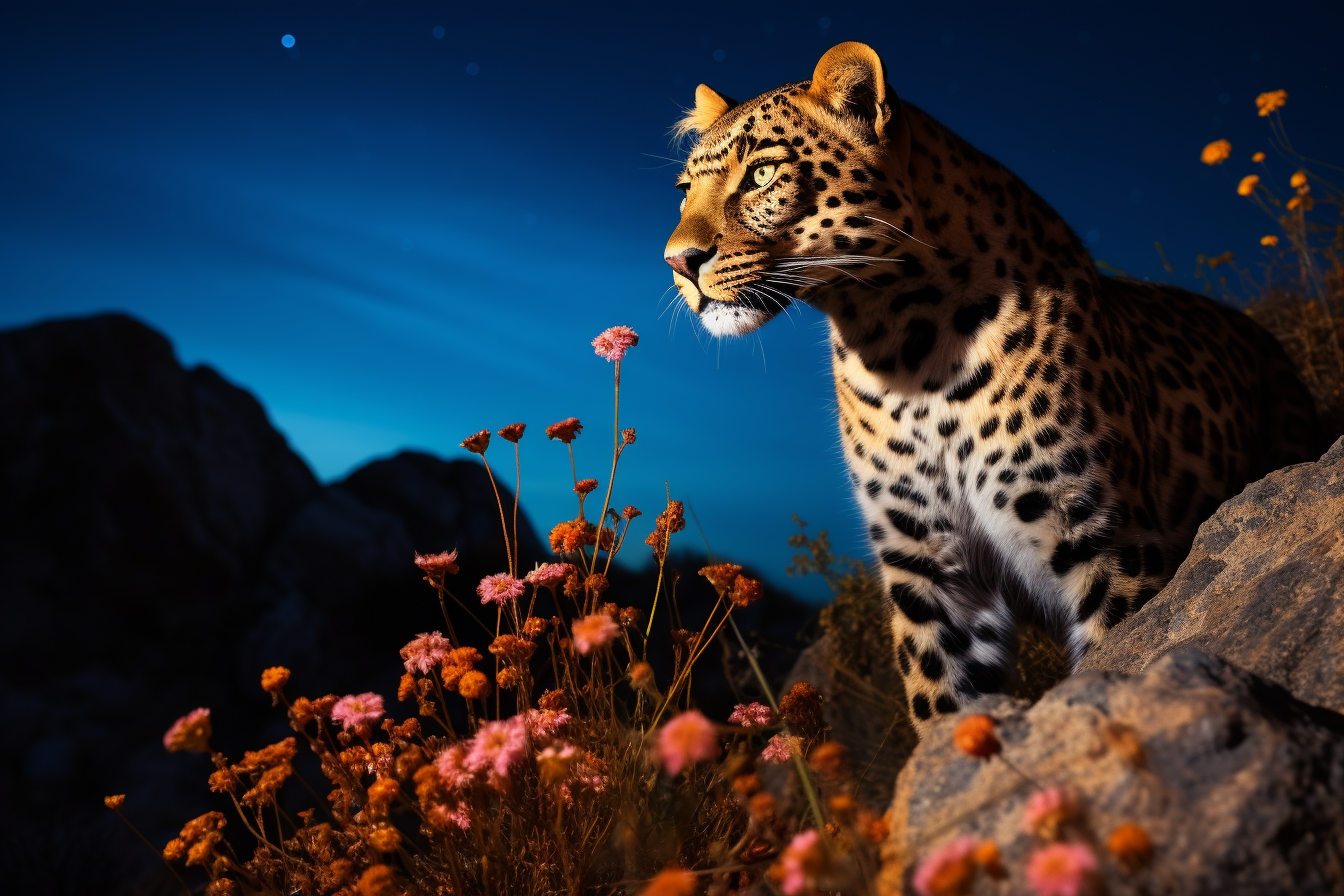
408,225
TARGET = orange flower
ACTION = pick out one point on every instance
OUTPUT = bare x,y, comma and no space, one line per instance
1131,846
761,806
746,785
1271,101
630,513
585,486
571,536
1258,157
986,855
975,736
801,708
843,806
1298,180
477,443
628,436
406,687
1248,184
1216,153
473,685
745,591
191,733
1269,240
721,576
827,759
534,627
377,881
671,882
1303,202
513,432
115,801
566,430
274,678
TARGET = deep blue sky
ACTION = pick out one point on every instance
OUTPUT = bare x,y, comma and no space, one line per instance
394,239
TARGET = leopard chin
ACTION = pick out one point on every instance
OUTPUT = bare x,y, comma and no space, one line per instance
735,318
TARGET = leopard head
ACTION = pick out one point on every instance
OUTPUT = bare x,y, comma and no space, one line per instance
786,194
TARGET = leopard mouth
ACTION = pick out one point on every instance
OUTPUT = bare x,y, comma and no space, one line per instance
749,311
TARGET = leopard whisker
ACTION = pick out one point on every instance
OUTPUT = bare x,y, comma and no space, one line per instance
901,232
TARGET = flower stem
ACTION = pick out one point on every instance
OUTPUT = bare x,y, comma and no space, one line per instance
153,849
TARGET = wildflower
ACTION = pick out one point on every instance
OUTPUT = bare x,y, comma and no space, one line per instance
497,747
1258,157
381,794
463,656
548,575
499,588
947,871
542,724
512,649
510,677
1303,202
452,768
745,591
875,828
356,710
274,679
802,861
746,785
513,432
593,631
554,762
751,715
613,342
630,513
667,523
571,536
986,856
553,701
566,430
436,566
721,576
628,436
585,486
827,759
801,708
1216,152
190,734
842,806
405,687
686,739
1271,101
597,584
534,627
1131,846
425,652
1047,809
761,806
974,736
115,801
1248,184
642,679
1060,869
443,816
630,616
477,443
377,881
384,838
782,748
1269,240
473,685
672,882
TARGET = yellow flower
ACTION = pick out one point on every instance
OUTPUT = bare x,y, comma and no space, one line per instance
1269,240
1216,152
1248,184
1269,102
1298,180
1258,157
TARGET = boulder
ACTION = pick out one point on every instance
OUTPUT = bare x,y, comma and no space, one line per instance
1239,785
1263,587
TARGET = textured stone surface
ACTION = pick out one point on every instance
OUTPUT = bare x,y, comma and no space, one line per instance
1240,786
1263,587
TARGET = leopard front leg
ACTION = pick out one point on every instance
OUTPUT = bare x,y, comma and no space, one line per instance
952,643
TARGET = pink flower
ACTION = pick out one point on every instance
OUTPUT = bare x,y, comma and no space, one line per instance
355,710
499,588
1047,809
782,748
1060,869
425,652
497,746
451,766
549,575
441,564
613,342
458,816
751,715
685,740
544,723
801,860
948,869
190,734
593,631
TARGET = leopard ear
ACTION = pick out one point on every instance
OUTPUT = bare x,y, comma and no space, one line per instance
709,108
850,80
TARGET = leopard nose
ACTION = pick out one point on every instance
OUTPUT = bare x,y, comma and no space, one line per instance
687,264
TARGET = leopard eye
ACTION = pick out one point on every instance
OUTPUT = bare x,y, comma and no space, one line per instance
763,174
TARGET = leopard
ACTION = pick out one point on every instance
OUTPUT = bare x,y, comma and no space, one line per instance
1029,441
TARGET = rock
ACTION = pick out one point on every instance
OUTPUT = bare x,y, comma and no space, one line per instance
1262,588
1239,785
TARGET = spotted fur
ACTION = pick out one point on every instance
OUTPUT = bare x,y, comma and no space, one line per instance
1026,438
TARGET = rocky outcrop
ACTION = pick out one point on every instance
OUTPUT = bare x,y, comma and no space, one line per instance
1239,785
1263,587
